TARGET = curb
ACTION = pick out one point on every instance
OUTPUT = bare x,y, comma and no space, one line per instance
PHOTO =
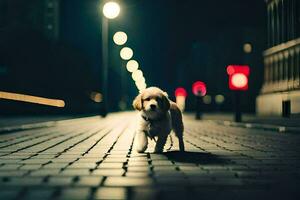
267,127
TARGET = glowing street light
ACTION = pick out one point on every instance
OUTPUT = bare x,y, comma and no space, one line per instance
126,53
120,38
136,75
132,65
140,80
111,10
141,86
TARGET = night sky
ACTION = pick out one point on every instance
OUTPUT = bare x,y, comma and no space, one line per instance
175,42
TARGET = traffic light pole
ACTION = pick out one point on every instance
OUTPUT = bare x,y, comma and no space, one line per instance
198,109
238,113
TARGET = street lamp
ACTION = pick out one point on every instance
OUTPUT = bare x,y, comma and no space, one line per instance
110,10
126,53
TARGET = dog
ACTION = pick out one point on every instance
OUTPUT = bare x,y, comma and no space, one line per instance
156,118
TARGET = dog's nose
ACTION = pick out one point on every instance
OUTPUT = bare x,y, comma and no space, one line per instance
153,107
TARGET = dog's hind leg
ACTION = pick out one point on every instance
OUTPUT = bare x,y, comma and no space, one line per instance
181,143
178,129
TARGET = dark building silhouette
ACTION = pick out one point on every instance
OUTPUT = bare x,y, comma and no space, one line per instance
280,93
34,60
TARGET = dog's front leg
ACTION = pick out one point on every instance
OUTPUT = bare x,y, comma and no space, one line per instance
141,141
161,141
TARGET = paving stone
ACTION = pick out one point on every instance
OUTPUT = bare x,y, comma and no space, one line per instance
60,181
110,166
75,172
10,167
106,193
137,174
109,172
75,193
139,168
127,181
144,163
30,167
89,181
24,181
145,193
41,193
55,165
9,173
45,172
82,165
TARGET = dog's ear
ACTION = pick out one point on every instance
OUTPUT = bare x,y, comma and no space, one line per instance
137,102
166,102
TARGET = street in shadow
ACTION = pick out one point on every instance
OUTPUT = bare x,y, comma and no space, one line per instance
195,157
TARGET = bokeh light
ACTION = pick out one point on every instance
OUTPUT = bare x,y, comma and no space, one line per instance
126,53
247,48
132,65
207,99
219,99
111,10
138,74
120,38
239,80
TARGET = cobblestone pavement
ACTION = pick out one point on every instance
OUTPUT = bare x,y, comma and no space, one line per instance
92,158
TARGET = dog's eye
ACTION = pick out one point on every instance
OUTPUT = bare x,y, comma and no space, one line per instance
147,99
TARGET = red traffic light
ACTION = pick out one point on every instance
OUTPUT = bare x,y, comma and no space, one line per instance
199,88
238,77
180,92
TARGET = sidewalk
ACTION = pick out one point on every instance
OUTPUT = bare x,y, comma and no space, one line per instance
278,124
93,158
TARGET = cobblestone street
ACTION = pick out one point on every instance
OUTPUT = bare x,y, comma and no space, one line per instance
93,158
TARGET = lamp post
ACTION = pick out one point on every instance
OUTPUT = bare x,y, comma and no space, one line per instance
110,11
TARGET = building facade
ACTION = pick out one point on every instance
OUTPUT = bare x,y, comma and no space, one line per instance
41,15
280,93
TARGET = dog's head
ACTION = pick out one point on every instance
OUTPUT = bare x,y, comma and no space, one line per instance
152,101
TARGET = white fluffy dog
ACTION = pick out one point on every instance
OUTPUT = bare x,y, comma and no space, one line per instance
157,117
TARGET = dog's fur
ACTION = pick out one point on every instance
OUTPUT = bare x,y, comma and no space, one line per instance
157,117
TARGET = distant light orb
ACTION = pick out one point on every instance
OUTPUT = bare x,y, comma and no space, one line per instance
239,80
141,86
140,81
136,75
207,99
126,53
247,48
132,65
96,96
199,88
180,92
230,70
111,10
120,38
219,99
